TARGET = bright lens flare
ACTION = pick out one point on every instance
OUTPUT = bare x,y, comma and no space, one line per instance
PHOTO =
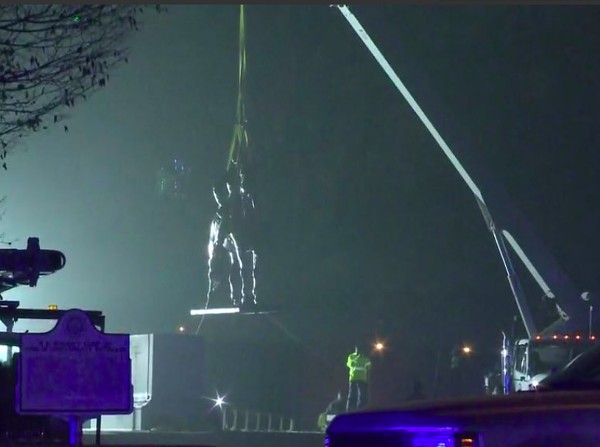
219,401
379,346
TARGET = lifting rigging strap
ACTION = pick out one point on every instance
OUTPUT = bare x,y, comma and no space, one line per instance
239,141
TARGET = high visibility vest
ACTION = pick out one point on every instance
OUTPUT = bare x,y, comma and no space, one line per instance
359,367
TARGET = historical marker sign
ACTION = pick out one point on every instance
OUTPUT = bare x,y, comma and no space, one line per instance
74,370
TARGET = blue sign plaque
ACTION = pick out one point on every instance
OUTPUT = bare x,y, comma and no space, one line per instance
74,370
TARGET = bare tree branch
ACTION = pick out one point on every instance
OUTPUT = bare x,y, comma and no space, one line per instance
54,55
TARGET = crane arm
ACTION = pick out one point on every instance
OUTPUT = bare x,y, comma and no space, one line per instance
409,98
502,208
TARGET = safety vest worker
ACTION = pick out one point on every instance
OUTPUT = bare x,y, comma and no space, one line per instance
359,367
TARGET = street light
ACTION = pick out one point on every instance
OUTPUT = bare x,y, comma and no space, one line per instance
467,350
379,346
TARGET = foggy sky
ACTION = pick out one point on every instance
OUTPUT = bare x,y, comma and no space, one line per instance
367,228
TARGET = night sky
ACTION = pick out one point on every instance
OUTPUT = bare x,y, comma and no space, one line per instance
367,230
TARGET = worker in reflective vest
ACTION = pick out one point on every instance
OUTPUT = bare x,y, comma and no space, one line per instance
359,366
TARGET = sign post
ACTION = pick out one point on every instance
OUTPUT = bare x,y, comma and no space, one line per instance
75,372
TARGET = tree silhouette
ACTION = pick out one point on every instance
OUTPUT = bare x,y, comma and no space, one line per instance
52,56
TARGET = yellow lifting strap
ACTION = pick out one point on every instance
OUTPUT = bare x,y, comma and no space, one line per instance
240,141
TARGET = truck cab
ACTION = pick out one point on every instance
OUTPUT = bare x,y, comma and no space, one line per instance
535,359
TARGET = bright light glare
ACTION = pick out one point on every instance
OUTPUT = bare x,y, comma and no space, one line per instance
181,328
217,311
219,401
4,352
379,346
467,350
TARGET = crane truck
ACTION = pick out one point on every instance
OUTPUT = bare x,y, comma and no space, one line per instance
526,361
563,410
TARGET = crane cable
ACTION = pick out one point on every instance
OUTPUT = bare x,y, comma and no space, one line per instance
240,140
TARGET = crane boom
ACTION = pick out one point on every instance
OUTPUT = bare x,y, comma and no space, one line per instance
554,283
409,98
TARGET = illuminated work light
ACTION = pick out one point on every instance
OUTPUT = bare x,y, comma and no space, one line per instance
216,311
